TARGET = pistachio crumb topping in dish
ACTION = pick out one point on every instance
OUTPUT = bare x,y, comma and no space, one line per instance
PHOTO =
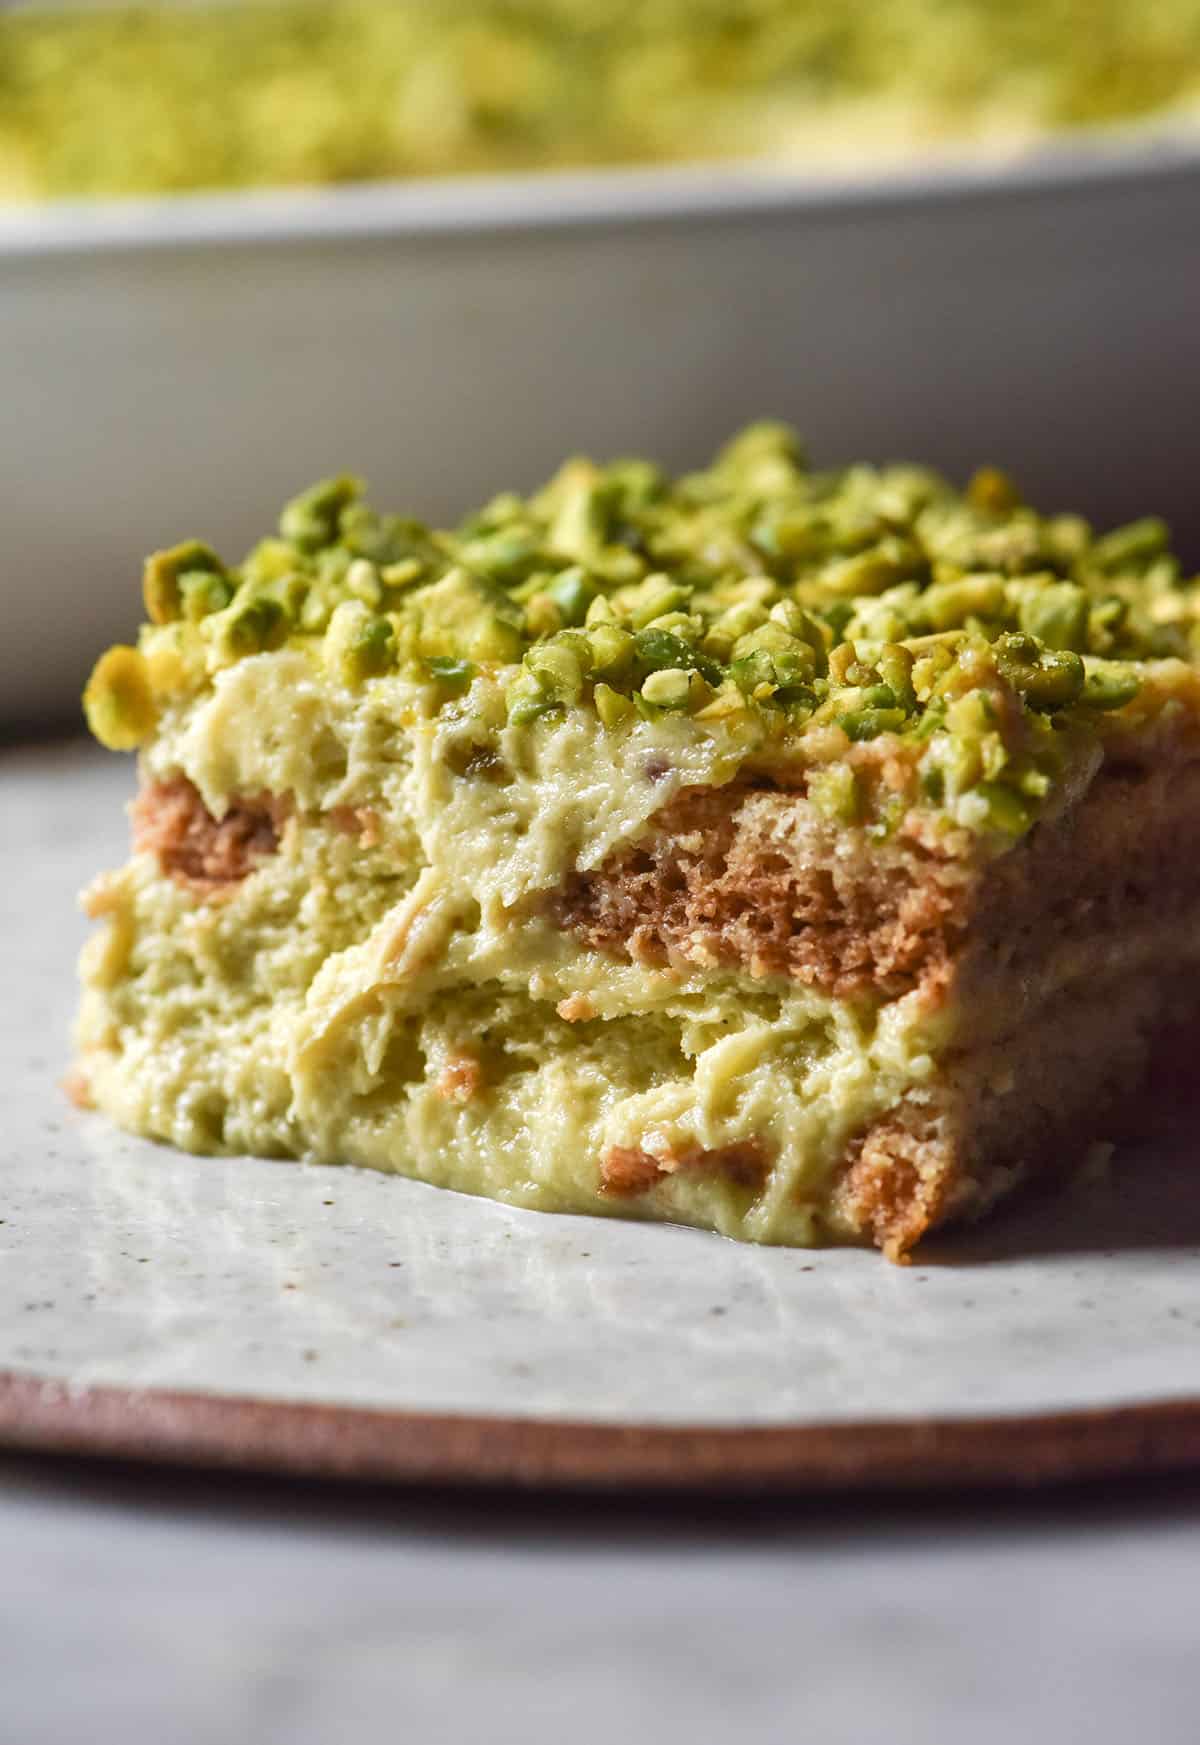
713,848
127,98
806,613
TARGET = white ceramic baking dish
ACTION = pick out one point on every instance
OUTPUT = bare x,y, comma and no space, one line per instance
181,366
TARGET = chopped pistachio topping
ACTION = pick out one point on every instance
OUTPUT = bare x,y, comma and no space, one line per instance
824,611
119,702
128,98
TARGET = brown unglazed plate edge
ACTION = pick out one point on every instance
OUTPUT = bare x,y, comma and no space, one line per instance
49,1415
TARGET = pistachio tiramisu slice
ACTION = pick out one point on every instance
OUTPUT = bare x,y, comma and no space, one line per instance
807,856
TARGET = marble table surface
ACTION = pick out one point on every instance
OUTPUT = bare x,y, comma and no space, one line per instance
172,1610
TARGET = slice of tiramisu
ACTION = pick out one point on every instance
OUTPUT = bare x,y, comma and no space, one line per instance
803,855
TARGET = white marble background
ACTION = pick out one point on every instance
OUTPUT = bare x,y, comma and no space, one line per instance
145,1609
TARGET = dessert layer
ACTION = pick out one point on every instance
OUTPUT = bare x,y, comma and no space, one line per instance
756,879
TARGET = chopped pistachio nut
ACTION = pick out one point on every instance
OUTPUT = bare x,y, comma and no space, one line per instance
612,708
450,675
1109,684
311,520
202,592
560,666
1057,614
358,644
573,592
364,581
675,688
253,623
118,700
612,652
164,572
993,490
108,100
834,791
757,595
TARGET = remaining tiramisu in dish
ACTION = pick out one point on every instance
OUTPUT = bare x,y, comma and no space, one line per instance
804,855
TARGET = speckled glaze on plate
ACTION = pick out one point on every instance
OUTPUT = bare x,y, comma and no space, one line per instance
278,1316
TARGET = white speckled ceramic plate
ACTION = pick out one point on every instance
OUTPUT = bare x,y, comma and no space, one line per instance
326,1320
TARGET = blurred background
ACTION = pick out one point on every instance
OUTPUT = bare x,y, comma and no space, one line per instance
443,244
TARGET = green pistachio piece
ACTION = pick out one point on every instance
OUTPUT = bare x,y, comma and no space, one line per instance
882,620
845,667
449,674
1047,679
789,653
270,559
311,519
754,675
468,616
959,762
612,708
658,649
527,701
402,574
764,457
868,572
1067,538
654,597
993,491
791,617
741,619
507,556
971,716
686,625
1109,684
317,608
948,605
904,491
866,697
358,644
118,700
364,581
542,616
612,652
1057,614
895,664
633,485
835,792
798,534
253,624
870,722
930,665
669,688
162,574
203,592
1132,546
580,528
1007,811
572,591
1106,620
805,627
600,611
561,666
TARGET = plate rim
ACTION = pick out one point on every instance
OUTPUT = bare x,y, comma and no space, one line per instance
364,1444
